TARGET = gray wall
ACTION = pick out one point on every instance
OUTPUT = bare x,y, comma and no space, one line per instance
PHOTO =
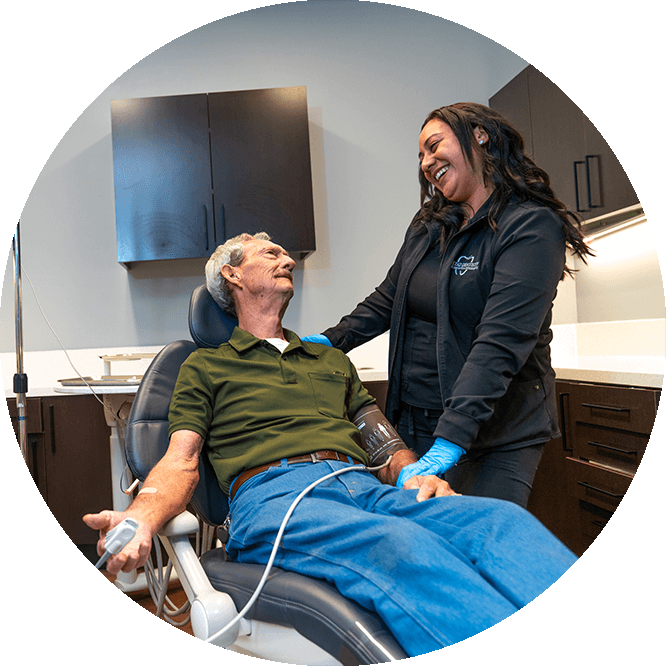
369,88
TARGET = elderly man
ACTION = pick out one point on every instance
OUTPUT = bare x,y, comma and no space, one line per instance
274,414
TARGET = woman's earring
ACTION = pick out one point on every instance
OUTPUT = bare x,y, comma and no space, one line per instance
480,142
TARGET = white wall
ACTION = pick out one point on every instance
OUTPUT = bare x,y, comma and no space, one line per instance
370,83
623,280
372,72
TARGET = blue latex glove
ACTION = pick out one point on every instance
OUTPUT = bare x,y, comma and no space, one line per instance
321,339
441,457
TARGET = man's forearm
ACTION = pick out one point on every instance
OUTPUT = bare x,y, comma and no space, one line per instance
171,483
165,493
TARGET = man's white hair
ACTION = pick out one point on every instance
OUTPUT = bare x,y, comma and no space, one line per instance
231,253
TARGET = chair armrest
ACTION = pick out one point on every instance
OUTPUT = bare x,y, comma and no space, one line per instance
183,524
211,610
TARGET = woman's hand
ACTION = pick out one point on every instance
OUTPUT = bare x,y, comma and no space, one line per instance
439,459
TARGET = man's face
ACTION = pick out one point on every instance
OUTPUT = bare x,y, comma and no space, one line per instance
266,269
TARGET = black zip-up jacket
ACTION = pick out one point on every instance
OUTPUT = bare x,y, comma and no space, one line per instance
494,308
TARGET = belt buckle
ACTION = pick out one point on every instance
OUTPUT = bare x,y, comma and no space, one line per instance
315,457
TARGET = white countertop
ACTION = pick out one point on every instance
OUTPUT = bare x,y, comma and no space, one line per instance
644,371
639,371
625,353
629,353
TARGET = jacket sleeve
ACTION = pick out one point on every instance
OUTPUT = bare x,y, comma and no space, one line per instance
372,316
529,258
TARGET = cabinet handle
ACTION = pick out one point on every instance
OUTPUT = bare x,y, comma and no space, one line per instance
613,448
564,410
608,408
589,186
52,428
588,183
223,224
205,226
578,208
599,490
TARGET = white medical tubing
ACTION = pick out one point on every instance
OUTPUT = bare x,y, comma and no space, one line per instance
278,539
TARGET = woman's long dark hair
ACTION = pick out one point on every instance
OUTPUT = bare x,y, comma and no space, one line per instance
506,168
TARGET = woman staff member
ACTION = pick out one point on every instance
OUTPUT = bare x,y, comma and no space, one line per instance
468,303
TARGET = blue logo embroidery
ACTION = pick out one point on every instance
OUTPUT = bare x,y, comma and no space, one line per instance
465,264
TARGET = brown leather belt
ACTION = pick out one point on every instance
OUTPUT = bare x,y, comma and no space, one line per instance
308,458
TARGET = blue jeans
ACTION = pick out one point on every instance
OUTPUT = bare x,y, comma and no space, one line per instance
436,572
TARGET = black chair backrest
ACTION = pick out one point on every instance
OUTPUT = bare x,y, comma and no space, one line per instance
209,325
147,437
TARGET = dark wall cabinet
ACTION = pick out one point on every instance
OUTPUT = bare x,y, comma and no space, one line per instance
584,172
191,171
584,475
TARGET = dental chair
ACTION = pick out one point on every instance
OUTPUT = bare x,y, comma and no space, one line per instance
295,619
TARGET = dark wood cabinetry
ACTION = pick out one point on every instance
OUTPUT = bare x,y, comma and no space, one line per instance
69,458
191,171
585,173
162,178
580,481
584,475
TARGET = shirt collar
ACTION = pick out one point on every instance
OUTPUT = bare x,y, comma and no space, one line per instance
242,341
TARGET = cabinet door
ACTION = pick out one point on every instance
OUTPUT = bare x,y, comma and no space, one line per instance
161,168
558,135
513,102
261,165
550,500
35,436
584,172
610,186
78,464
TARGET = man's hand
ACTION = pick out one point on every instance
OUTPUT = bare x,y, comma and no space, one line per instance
134,554
428,486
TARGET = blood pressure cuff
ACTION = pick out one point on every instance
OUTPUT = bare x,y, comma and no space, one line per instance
378,437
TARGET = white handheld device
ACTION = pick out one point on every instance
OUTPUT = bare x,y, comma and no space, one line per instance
118,538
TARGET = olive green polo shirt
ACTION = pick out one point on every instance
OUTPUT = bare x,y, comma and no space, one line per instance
254,405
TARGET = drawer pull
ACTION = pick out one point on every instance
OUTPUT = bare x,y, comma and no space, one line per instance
599,490
613,448
52,428
606,407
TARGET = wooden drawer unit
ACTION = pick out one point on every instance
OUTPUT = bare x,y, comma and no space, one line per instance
584,475
33,415
589,483
597,492
69,458
604,446
609,425
614,407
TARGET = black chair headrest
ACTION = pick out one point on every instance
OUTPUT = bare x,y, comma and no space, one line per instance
209,325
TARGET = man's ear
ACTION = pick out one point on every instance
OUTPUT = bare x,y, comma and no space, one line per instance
230,274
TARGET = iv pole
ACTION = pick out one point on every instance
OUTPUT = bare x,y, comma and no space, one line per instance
20,378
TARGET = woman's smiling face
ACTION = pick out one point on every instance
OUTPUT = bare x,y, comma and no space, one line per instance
444,165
